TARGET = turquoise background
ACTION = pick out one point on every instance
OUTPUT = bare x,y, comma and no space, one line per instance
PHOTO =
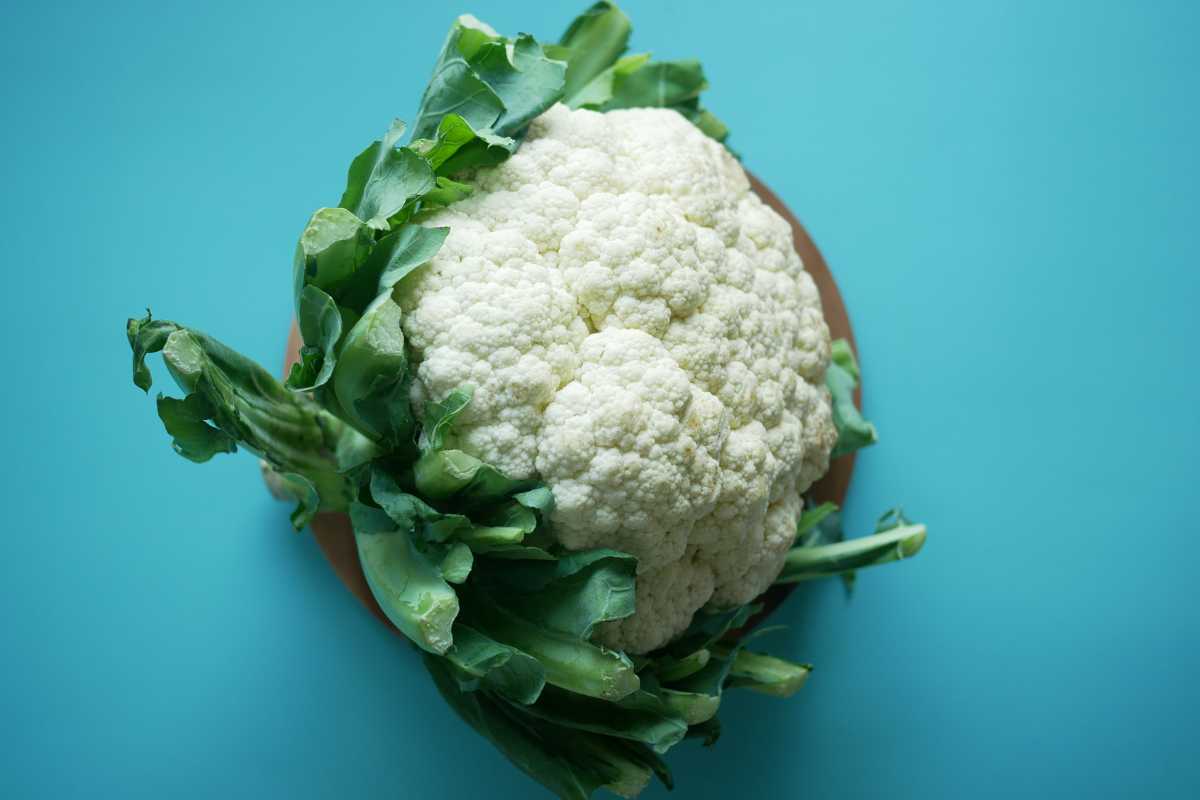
1008,195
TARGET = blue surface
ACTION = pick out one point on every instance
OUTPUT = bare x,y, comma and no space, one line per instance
1008,195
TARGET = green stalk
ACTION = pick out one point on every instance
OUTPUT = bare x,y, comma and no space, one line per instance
640,717
233,402
767,674
822,561
693,707
503,669
570,662
408,587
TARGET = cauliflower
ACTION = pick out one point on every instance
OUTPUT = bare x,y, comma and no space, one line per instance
567,384
640,335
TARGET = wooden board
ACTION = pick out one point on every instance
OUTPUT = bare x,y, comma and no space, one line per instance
337,540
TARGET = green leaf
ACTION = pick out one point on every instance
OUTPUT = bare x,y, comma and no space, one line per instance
453,474
332,247
821,524
570,763
393,257
456,564
146,335
329,255
486,150
519,552
384,179
821,561
766,674
709,679
639,717
248,405
539,499
487,663
708,123
446,193
399,253
600,90
293,486
409,589
591,44
304,492
500,528
571,595
369,376
454,87
636,82
440,416
673,669
697,697
570,662
486,538
320,324
527,85
412,514
457,146
842,377
484,92
511,515
891,519
192,436
533,748
469,35
694,708
351,453
658,84
625,767
452,134
539,578
384,408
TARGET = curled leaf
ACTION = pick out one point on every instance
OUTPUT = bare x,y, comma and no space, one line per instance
385,179
192,436
591,44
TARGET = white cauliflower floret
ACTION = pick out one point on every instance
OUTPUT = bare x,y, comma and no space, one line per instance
631,265
630,449
490,315
666,599
641,335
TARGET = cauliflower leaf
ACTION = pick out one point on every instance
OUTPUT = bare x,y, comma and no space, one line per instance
842,377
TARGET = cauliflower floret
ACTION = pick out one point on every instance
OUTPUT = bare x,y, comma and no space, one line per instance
641,335
631,265
489,314
666,599
630,449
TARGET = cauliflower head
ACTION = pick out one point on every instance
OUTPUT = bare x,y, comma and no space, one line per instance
641,335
